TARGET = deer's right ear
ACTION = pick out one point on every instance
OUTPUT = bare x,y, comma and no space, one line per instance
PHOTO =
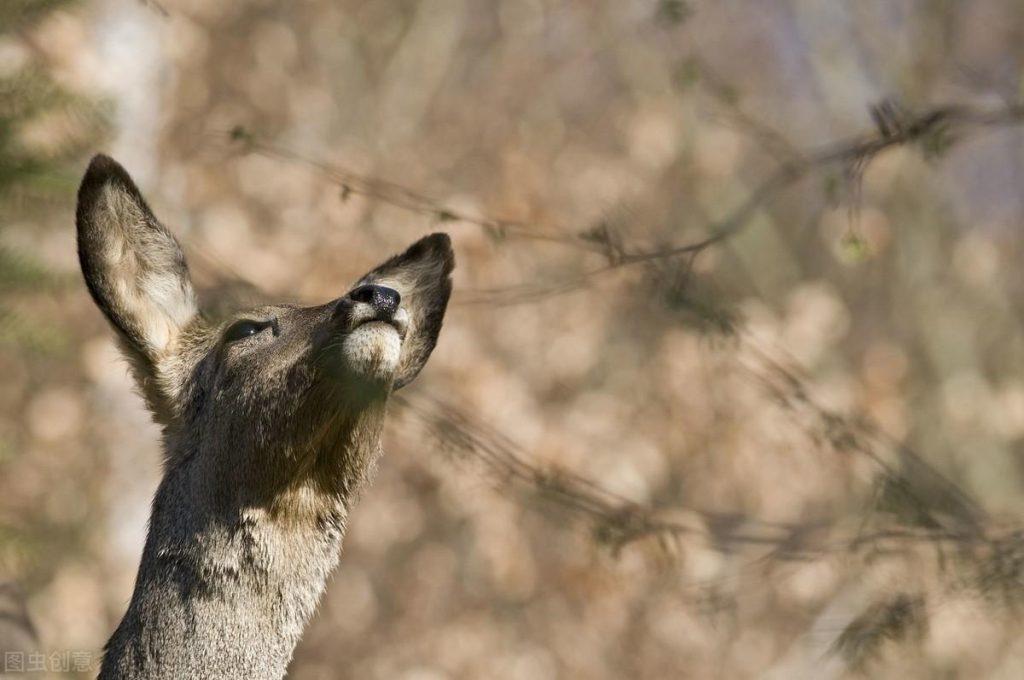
135,271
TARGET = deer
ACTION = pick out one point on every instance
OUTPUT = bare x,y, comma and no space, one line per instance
271,424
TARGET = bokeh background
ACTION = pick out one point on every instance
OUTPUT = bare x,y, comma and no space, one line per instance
794,452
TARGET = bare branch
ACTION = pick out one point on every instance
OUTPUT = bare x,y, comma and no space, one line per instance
916,506
935,129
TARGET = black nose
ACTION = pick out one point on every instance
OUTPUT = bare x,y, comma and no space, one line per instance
383,299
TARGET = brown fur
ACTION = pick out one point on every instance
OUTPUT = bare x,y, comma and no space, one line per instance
268,439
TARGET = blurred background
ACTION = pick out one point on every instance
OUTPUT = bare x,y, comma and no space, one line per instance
732,382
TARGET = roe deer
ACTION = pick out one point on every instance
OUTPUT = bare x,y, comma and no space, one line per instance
271,423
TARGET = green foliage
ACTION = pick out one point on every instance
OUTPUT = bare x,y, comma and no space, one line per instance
31,171
686,74
18,272
45,131
44,126
853,249
30,337
674,11
17,13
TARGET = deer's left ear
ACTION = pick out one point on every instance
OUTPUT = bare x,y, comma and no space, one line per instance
422,276
136,273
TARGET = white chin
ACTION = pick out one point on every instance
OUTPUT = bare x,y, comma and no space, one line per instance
373,350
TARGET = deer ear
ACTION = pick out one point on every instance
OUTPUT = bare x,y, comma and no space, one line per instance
422,276
135,271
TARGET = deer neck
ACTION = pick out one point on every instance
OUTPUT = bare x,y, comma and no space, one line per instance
226,589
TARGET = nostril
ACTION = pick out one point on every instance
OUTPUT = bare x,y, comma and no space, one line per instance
363,293
381,298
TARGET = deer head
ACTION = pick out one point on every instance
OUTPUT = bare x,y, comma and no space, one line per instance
271,422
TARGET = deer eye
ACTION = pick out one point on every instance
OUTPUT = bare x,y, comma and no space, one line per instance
241,330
